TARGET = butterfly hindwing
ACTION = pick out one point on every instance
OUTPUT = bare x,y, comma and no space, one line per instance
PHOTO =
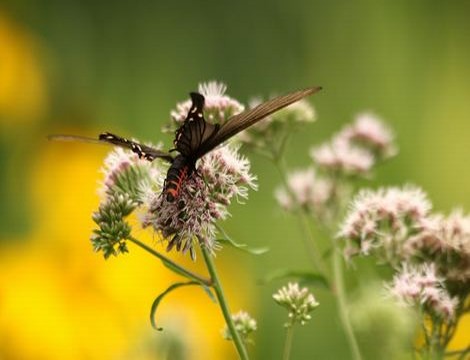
195,131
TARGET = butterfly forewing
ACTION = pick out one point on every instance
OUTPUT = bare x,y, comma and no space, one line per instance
143,151
195,131
247,118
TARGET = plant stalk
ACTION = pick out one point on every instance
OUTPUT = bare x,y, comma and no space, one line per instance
189,274
342,305
223,304
288,343
310,243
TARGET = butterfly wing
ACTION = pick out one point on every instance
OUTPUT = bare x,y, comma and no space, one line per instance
247,118
143,151
197,137
195,131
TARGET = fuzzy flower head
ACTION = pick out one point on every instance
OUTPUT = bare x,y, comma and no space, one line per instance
218,108
134,185
421,286
356,148
446,241
371,132
124,174
221,175
123,170
341,156
298,302
305,189
382,221
244,324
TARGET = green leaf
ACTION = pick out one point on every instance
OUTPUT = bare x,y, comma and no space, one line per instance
209,293
243,247
160,297
304,276
173,268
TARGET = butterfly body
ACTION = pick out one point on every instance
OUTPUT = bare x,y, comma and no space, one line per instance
195,137
180,169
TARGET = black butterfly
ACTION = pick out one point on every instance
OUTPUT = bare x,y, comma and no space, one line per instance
195,137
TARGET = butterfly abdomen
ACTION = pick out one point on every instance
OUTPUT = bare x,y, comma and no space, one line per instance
177,174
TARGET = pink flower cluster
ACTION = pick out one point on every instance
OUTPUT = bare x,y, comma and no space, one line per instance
322,188
356,148
124,171
218,106
421,286
382,221
396,225
222,174
431,252
305,189
445,239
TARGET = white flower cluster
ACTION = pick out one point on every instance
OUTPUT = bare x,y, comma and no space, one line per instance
298,301
356,148
421,286
244,324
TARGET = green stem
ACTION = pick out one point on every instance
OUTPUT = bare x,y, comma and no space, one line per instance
311,243
427,340
288,343
342,305
309,240
164,259
223,304
436,350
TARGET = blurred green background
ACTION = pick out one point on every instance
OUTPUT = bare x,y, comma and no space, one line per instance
86,66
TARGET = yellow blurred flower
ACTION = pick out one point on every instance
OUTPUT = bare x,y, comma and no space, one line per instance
59,300
461,339
23,94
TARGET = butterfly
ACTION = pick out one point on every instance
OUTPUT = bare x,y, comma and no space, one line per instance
195,137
